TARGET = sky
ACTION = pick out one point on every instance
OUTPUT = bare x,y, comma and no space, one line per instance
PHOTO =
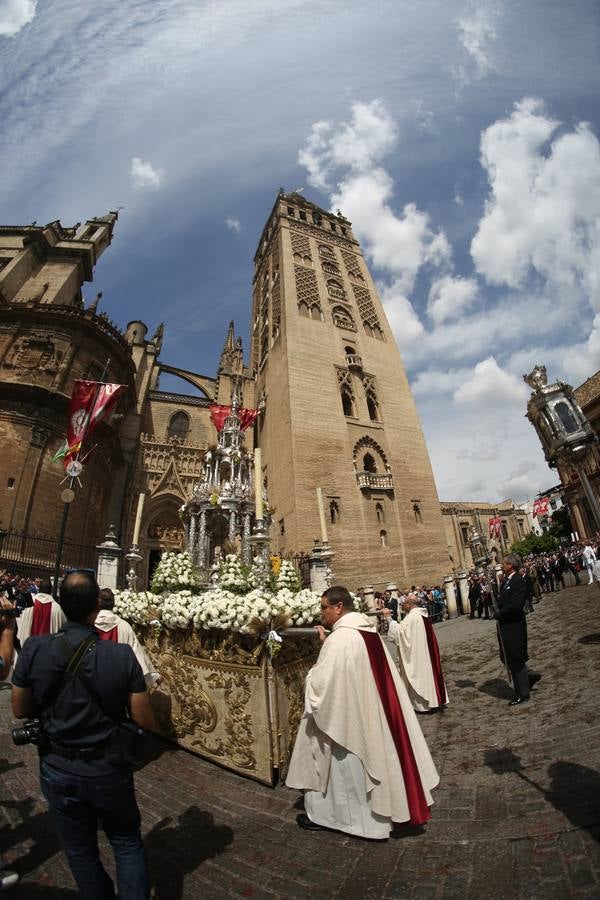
462,139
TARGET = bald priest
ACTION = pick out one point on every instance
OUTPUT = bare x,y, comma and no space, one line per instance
360,756
419,656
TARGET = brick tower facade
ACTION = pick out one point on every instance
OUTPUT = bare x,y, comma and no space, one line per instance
338,409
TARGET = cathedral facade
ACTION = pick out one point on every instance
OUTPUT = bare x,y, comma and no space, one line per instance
336,409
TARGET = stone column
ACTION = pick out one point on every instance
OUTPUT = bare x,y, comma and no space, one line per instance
463,587
450,596
231,524
108,560
369,595
319,569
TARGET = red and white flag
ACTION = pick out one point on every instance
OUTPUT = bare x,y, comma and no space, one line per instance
90,403
219,413
540,507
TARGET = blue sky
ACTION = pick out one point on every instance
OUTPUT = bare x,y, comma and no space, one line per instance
461,139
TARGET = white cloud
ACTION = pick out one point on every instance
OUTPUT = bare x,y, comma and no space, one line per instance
351,153
491,388
403,319
542,217
144,175
358,144
15,14
450,297
234,225
477,34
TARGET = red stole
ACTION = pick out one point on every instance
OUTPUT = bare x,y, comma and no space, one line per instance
112,635
42,614
436,663
417,804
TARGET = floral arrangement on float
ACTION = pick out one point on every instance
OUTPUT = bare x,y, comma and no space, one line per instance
236,600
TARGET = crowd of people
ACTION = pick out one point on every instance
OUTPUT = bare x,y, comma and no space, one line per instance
82,674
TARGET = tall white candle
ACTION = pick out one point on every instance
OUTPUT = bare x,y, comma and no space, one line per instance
138,518
258,484
322,515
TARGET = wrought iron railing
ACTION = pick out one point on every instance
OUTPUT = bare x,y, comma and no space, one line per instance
301,562
371,480
30,555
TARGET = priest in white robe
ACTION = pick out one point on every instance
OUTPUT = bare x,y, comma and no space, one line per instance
360,756
44,617
419,657
111,627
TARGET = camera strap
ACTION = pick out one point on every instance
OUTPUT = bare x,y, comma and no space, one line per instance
74,657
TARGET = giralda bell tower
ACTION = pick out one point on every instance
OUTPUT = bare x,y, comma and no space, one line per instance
338,412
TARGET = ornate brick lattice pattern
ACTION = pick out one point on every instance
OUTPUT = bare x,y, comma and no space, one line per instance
301,245
275,295
320,235
307,290
352,265
365,306
345,380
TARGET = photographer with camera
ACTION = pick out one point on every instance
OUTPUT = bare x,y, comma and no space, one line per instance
89,697
7,649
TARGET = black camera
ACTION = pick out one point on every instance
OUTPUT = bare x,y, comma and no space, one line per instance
29,733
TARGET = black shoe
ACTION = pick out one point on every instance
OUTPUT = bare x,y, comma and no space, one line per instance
534,677
518,700
304,822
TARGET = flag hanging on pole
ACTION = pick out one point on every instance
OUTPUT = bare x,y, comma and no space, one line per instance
495,527
91,401
540,507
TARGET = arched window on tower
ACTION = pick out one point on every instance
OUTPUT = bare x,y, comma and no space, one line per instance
334,512
372,407
380,513
383,537
369,464
347,402
179,426
335,289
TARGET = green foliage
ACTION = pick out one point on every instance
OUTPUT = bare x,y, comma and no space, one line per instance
561,524
534,543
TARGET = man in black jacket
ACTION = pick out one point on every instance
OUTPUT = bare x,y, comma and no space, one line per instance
83,773
512,629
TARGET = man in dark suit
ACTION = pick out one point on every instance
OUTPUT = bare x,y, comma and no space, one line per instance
512,629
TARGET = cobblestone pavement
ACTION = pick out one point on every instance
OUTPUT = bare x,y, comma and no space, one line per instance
517,813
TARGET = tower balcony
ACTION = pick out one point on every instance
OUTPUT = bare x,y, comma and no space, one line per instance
354,361
372,481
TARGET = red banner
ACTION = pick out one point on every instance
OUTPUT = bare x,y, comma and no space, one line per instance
82,401
90,403
218,414
540,507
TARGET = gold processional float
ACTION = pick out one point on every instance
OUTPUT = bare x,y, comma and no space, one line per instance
226,625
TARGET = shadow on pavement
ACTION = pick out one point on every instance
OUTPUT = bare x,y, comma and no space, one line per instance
155,748
33,889
38,829
496,687
575,792
176,849
465,683
590,639
574,789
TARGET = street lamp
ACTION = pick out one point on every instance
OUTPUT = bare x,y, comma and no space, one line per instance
565,434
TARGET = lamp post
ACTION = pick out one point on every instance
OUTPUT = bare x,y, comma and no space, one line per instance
565,434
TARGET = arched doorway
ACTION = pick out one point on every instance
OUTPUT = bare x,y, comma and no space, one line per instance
163,534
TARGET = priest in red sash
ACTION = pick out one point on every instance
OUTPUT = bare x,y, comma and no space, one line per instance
419,657
111,627
360,756
44,617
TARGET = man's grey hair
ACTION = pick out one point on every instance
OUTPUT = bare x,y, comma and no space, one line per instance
514,560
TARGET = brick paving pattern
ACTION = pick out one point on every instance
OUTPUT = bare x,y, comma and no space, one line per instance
517,813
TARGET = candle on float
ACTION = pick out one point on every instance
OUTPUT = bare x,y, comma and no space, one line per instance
258,484
138,518
322,515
